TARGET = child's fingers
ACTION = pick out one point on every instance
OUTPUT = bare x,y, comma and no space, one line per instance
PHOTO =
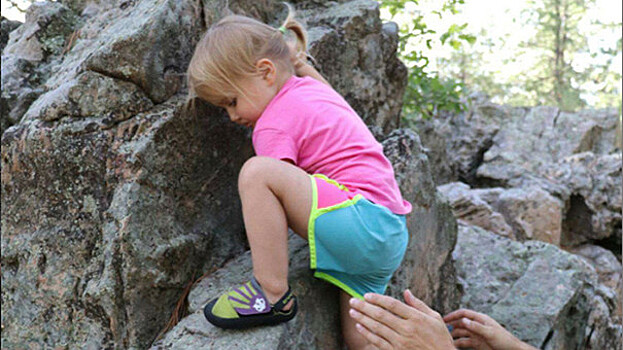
461,333
465,313
455,324
466,343
476,327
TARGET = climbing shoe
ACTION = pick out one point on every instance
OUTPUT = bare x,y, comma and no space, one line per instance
247,306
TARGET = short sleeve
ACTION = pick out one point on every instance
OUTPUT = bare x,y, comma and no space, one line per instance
275,143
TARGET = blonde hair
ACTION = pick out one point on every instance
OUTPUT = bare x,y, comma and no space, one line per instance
230,50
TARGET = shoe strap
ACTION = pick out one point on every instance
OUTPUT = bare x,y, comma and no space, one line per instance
255,304
281,303
285,299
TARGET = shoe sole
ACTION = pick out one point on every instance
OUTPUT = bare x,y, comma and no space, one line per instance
244,322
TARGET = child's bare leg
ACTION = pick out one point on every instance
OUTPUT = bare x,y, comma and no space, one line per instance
274,195
353,339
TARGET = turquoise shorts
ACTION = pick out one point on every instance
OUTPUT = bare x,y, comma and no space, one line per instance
353,243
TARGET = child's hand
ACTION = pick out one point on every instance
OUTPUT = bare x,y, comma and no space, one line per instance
298,57
481,332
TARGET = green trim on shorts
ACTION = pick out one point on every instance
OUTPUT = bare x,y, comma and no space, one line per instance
315,213
338,283
311,224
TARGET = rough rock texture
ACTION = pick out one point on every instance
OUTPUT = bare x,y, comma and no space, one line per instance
519,213
470,209
552,159
113,196
316,325
103,227
546,297
608,269
7,26
550,176
456,144
28,56
524,142
594,208
427,269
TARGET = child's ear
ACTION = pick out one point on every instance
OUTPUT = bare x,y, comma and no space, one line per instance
267,70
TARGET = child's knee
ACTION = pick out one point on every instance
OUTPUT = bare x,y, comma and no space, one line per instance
253,171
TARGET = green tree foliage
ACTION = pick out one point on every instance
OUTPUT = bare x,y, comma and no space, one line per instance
427,93
560,61
556,82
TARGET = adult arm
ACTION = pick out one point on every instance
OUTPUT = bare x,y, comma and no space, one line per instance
390,324
472,329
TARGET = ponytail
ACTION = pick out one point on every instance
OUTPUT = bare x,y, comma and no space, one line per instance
297,28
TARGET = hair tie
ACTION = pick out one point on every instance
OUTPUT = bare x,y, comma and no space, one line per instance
283,29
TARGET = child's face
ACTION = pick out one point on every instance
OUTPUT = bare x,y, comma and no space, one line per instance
246,109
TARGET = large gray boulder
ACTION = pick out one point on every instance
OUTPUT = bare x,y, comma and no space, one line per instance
608,268
29,54
113,194
6,27
520,213
427,269
456,143
567,164
543,135
594,206
470,209
545,296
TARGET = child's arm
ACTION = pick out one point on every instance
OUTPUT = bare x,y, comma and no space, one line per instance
306,70
301,67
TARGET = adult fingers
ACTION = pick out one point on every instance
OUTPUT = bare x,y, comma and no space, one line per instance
396,307
419,305
465,313
373,338
374,326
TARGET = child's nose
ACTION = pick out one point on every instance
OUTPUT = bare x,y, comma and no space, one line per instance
232,116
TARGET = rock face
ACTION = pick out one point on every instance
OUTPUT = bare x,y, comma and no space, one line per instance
427,269
520,213
7,26
546,297
114,195
565,164
536,174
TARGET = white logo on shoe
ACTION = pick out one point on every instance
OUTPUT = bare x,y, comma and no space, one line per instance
259,305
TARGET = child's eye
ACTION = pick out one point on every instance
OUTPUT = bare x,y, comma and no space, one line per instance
232,103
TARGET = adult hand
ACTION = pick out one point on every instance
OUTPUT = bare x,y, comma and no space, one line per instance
472,329
390,324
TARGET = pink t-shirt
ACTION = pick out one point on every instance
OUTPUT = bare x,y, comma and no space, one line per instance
312,125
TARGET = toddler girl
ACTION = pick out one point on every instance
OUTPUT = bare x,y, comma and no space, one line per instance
318,170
